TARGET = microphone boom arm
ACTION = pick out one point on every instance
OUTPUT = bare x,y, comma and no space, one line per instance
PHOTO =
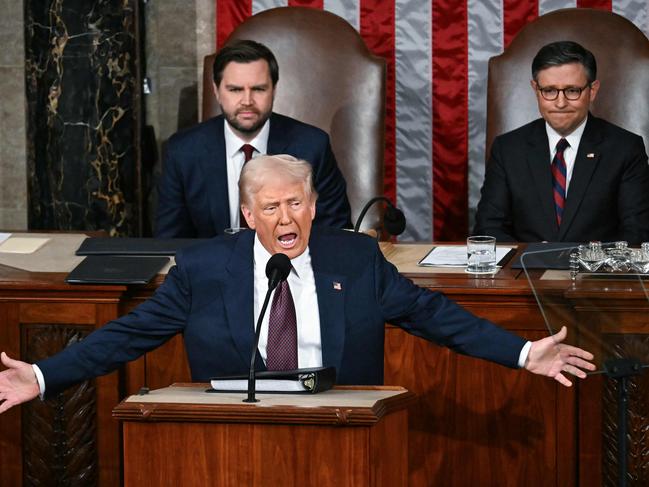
253,358
394,221
277,270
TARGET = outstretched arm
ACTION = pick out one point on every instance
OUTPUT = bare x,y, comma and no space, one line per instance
552,358
18,383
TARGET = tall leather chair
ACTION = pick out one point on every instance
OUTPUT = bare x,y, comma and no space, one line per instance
622,54
327,78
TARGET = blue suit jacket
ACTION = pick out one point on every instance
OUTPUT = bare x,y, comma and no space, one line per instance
208,297
608,195
193,191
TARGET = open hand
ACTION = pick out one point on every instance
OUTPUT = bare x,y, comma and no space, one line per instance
552,358
18,383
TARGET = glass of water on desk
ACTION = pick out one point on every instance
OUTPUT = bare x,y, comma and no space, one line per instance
481,254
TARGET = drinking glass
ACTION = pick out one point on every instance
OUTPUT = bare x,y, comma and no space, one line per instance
481,254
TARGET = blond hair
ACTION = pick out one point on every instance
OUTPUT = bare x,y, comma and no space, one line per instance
289,168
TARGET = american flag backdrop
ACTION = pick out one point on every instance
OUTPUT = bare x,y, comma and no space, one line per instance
437,53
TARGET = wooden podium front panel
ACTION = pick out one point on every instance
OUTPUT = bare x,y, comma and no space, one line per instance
233,455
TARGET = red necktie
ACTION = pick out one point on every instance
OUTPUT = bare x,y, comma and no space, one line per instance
247,150
281,349
559,173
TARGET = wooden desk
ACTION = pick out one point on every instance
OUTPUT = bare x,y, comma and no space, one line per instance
347,436
473,423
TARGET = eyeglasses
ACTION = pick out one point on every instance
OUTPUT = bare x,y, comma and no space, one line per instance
571,93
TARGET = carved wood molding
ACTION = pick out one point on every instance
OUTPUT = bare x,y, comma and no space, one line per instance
59,434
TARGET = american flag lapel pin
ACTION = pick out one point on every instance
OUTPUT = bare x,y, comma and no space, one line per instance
590,155
337,286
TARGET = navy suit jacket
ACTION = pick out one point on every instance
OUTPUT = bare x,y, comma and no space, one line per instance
193,191
208,296
608,195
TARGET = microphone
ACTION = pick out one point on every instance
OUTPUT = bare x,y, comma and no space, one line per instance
277,270
394,221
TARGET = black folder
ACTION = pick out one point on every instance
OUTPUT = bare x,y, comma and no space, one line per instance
115,269
309,381
546,255
134,246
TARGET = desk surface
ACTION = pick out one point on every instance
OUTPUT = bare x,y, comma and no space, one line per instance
49,265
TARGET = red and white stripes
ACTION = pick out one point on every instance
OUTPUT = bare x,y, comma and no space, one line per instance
437,53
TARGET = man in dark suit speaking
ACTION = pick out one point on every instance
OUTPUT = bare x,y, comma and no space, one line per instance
568,176
339,293
198,193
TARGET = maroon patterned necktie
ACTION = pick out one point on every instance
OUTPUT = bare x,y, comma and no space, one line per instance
247,150
559,173
281,349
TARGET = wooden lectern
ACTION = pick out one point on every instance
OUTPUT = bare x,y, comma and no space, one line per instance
347,436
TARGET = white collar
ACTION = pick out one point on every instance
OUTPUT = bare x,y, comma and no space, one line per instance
262,256
573,138
233,142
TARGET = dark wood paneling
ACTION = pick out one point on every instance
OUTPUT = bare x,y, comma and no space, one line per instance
11,459
197,445
70,439
59,441
63,313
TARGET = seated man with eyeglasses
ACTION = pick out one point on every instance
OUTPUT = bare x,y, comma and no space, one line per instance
569,176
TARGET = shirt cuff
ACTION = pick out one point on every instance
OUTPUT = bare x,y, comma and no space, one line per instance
525,351
40,379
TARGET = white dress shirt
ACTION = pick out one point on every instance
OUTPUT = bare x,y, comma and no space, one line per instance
570,153
302,284
235,159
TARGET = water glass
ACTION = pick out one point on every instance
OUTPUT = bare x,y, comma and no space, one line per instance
481,254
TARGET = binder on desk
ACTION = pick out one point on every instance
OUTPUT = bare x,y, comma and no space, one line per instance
311,380
134,246
115,269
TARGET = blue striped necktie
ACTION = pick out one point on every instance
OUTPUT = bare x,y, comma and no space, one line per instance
559,173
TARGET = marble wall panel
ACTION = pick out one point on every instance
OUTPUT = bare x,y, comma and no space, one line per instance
13,177
178,35
82,98
11,29
205,37
13,174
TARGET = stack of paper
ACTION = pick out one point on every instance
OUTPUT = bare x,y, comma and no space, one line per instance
454,256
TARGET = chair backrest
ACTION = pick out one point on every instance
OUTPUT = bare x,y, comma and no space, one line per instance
622,54
327,78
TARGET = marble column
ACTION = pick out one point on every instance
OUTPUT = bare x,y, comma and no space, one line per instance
83,108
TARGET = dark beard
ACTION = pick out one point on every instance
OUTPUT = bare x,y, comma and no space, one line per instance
232,120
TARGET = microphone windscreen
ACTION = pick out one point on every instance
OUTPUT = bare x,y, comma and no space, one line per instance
394,220
279,266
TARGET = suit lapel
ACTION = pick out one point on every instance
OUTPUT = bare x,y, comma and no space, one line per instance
538,160
588,156
331,289
278,135
215,172
239,297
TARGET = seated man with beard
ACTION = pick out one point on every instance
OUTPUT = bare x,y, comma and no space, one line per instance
198,194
